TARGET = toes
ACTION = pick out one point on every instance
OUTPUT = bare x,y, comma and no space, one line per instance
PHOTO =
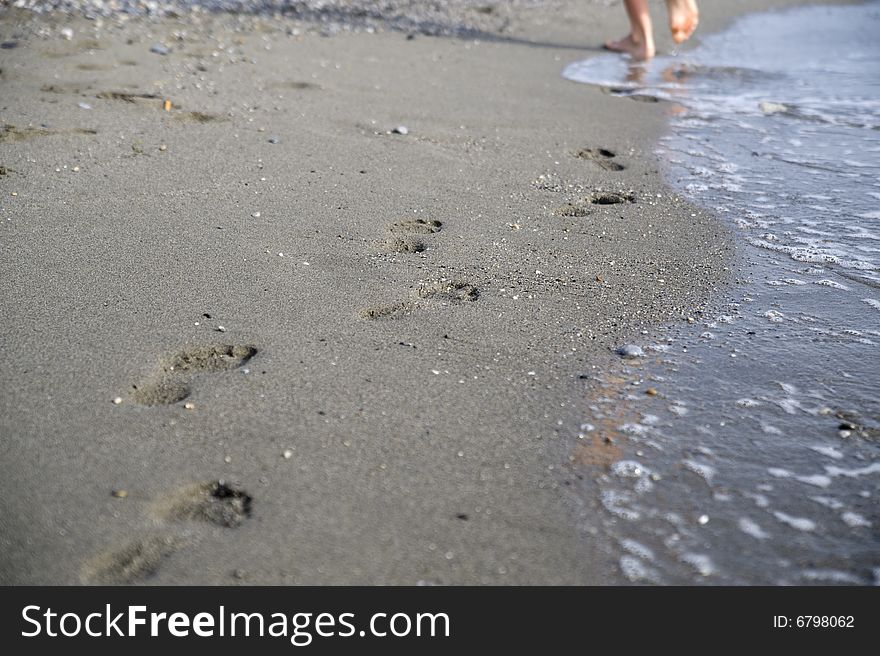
683,29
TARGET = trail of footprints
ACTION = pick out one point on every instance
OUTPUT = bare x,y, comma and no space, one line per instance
217,502
412,236
605,160
221,504
214,502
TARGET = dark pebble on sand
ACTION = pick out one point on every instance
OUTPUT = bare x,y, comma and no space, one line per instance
274,140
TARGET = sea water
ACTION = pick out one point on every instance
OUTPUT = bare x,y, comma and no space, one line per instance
754,456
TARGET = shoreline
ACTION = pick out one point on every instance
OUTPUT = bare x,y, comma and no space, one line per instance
717,411
409,385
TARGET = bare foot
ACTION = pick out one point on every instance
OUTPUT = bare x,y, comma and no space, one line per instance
683,18
638,49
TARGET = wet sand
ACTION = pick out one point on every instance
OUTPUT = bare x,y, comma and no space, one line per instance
259,337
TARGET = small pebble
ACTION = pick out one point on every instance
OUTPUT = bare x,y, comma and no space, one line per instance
119,494
227,459
630,351
274,140
75,169
288,454
703,520
651,391
163,147
256,215
83,105
159,49
117,400
189,405
67,33
221,329
400,129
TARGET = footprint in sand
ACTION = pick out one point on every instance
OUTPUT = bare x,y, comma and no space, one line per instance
581,208
601,157
403,240
170,383
389,311
415,226
611,197
625,92
450,292
403,245
214,502
572,210
403,237
132,562
441,293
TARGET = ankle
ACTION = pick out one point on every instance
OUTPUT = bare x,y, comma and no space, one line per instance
638,37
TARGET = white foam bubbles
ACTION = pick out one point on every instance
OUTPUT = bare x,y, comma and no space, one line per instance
751,528
702,563
704,471
829,451
637,549
817,480
636,571
828,502
615,502
831,576
853,473
854,520
630,469
800,523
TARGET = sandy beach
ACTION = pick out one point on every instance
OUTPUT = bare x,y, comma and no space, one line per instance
287,309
